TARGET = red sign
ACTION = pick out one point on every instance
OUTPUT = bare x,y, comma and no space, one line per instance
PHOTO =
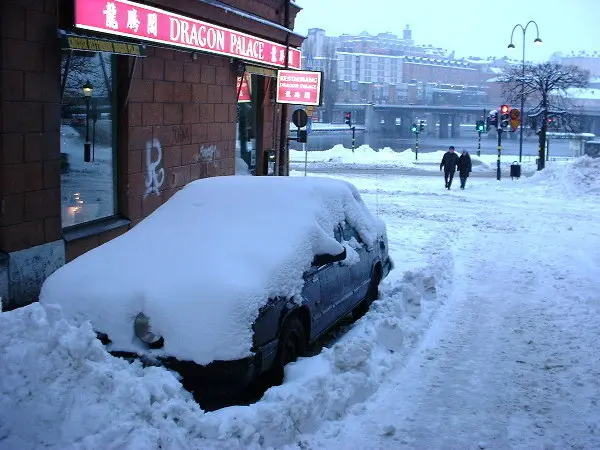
299,87
245,89
134,20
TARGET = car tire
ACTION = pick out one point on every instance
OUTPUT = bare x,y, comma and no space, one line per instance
372,294
291,345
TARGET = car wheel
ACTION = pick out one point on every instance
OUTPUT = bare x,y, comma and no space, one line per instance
372,295
291,345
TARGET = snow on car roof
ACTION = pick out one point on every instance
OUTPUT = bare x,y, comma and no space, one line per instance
203,263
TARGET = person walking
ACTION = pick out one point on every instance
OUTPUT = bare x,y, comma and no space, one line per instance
449,164
464,168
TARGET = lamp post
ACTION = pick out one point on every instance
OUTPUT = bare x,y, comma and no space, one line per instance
511,46
87,92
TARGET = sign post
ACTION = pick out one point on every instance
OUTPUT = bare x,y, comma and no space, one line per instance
300,119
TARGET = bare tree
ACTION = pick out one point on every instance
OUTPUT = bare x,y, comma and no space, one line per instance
545,89
84,67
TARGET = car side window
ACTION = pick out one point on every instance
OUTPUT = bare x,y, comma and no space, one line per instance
337,233
348,232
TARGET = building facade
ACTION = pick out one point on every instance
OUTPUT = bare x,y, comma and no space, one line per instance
387,69
585,61
109,107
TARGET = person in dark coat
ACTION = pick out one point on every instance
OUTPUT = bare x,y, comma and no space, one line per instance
464,168
449,164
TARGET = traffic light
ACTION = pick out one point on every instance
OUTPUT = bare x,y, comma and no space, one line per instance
421,125
414,128
504,116
348,118
492,120
480,126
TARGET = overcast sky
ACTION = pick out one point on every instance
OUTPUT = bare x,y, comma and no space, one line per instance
476,27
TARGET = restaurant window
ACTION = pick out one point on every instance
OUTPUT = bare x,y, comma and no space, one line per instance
87,141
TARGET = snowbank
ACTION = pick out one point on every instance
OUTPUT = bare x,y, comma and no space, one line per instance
582,176
59,388
202,265
241,167
365,156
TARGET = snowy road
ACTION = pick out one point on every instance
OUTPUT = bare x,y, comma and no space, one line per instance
511,359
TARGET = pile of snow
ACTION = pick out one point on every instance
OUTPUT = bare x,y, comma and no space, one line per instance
241,167
204,263
579,177
365,156
59,388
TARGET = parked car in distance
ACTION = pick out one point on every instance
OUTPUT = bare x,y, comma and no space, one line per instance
231,278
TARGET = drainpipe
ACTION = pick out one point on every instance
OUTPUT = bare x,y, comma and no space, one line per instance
283,144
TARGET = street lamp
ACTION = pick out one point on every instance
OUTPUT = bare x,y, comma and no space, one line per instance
87,92
511,46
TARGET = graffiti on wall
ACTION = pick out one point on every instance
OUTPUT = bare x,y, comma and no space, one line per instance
208,154
155,175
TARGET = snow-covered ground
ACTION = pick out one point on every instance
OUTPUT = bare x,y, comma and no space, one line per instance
365,157
486,336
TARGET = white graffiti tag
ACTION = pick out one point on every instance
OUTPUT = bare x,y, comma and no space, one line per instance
155,176
209,152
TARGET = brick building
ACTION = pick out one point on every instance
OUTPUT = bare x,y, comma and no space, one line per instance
109,107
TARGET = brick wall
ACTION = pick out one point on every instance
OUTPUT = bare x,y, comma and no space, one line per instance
29,125
187,108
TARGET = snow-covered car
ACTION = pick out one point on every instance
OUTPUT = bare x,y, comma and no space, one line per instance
231,277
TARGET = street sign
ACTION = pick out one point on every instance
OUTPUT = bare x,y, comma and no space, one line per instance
299,87
515,114
299,118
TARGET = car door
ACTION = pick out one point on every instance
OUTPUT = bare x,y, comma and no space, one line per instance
332,290
311,292
360,272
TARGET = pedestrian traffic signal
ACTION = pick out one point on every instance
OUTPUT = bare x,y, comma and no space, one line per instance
348,118
421,125
504,116
414,128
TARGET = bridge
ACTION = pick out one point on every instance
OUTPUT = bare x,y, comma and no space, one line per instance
399,118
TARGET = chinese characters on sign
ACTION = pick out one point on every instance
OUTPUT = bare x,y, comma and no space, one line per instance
299,87
245,89
135,20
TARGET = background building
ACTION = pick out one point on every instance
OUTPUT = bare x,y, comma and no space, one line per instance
387,69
